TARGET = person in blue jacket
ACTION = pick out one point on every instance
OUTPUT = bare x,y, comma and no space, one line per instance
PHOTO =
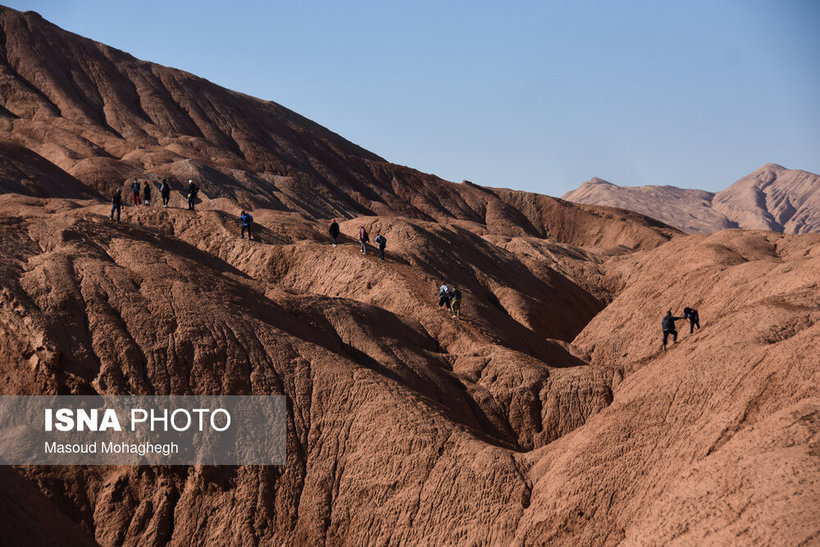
381,241
247,221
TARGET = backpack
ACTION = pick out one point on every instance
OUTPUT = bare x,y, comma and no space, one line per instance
381,240
456,295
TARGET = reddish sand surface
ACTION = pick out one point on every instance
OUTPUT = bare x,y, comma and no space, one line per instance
548,413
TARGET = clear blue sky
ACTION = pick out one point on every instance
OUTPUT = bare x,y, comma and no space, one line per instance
538,96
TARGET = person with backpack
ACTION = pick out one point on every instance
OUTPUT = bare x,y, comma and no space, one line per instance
382,242
116,204
668,326
165,192
247,220
146,193
455,302
694,321
191,191
363,239
444,296
135,192
334,231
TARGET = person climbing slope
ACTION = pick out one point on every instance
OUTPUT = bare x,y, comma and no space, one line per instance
246,220
444,296
165,192
334,231
190,192
146,193
382,242
135,192
668,325
692,315
116,204
363,239
455,302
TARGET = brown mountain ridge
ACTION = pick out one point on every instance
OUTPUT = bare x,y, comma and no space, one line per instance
772,198
546,414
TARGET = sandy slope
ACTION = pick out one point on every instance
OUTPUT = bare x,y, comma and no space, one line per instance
405,424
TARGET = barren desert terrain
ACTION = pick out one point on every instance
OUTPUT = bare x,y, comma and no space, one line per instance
547,414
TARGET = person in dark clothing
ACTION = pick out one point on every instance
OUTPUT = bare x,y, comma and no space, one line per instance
334,231
363,239
692,315
455,302
444,296
146,193
190,192
165,192
116,204
247,220
668,325
135,192
382,242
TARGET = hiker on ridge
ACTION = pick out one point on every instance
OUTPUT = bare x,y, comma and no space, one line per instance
190,192
363,239
668,325
135,192
247,220
692,315
455,302
444,296
146,193
334,231
382,242
116,204
165,192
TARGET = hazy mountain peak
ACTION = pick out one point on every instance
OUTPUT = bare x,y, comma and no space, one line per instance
770,198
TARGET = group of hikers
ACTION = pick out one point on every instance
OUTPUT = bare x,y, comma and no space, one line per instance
364,238
450,298
141,195
668,324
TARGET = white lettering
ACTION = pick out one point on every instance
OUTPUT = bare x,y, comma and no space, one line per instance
227,419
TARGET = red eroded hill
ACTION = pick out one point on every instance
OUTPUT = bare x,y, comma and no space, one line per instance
406,423
102,117
546,414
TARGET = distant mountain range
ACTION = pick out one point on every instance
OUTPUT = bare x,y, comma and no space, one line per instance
772,198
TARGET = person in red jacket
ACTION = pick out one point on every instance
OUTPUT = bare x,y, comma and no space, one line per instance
363,239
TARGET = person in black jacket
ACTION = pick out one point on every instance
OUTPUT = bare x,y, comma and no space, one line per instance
694,321
116,204
165,192
334,231
668,325
146,193
190,192
455,302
